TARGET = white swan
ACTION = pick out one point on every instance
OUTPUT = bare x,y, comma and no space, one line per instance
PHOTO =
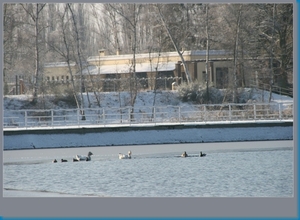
123,156
83,158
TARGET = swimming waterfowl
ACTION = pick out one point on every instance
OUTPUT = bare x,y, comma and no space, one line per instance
63,160
54,161
83,158
201,154
184,154
123,156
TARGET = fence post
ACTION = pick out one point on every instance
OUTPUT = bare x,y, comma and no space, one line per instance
254,111
17,85
103,116
129,115
293,110
179,114
279,109
78,116
230,114
25,118
205,113
165,83
154,114
52,117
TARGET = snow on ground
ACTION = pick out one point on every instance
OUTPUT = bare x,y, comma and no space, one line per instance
122,99
115,108
144,101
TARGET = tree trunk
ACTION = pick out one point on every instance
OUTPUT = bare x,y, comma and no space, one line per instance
272,55
35,16
80,63
207,55
37,57
235,54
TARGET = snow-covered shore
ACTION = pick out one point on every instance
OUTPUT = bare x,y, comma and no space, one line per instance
46,138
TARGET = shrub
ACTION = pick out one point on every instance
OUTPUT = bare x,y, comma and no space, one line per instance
196,92
65,99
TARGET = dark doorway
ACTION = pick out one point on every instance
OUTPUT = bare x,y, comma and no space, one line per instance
222,77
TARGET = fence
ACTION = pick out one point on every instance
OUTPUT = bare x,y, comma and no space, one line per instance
148,115
22,85
275,89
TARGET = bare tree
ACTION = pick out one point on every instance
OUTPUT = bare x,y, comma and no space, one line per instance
259,35
82,88
156,67
174,44
35,14
207,51
272,54
235,53
65,52
276,38
131,17
10,46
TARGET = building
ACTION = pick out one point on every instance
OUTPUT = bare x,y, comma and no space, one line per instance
108,72
167,64
117,72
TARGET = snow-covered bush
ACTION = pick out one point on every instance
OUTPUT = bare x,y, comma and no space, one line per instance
197,93
188,92
65,99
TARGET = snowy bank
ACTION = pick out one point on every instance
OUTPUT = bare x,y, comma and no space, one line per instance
77,136
168,135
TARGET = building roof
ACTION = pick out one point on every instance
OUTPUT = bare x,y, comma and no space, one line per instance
155,54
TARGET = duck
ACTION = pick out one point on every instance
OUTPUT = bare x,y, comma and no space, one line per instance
83,158
63,160
201,154
184,154
54,161
123,156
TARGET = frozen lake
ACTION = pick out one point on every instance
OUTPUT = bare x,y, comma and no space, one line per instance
232,169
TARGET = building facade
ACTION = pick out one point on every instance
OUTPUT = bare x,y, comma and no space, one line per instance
107,72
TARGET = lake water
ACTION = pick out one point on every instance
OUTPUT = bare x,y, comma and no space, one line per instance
244,169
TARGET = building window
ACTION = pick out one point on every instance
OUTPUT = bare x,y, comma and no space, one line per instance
52,78
48,78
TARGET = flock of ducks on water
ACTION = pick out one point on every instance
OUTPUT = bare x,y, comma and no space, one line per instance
121,156
78,158
184,154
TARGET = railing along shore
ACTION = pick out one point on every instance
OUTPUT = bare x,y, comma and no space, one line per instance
148,115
